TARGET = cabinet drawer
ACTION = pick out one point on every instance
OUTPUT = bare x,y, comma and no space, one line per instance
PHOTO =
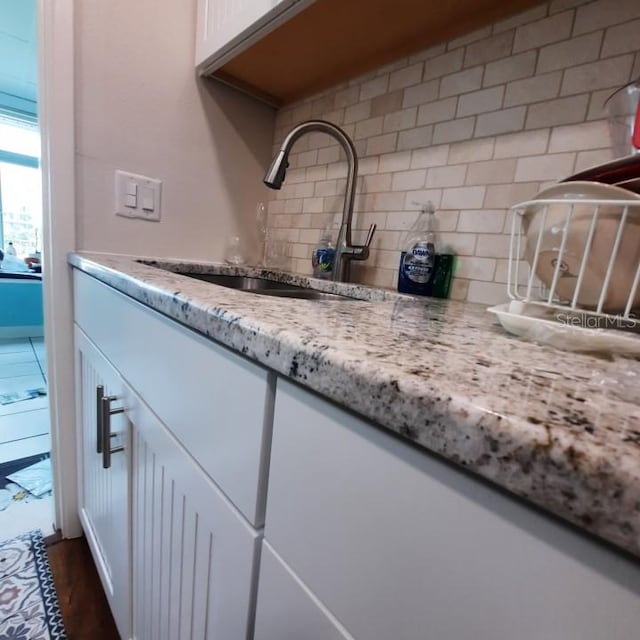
398,544
286,609
217,404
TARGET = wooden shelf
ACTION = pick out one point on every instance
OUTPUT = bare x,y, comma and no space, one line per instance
335,40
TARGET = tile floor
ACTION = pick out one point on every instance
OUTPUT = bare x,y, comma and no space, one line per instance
24,427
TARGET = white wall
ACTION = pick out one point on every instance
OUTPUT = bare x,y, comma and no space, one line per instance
140,108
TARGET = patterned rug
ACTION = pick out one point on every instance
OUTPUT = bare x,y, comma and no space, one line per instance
28,603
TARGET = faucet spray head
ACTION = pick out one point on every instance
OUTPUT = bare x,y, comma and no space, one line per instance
276,173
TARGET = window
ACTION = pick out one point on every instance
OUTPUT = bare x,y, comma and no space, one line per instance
20,186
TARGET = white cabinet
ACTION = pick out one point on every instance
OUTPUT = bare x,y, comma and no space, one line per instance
287,610
104,493
174,524
226,27
193,553
396,543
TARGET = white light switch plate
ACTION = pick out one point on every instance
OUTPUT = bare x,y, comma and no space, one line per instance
145,204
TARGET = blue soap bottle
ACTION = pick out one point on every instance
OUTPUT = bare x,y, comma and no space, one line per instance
418,257
323,256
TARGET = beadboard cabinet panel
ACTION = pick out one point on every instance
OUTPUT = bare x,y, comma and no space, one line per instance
104,493
216,403
195,556
397,543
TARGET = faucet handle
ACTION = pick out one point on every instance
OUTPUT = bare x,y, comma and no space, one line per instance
372,230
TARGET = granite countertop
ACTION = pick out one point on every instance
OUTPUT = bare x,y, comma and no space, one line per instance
557,428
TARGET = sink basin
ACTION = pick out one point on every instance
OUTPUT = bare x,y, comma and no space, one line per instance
264,287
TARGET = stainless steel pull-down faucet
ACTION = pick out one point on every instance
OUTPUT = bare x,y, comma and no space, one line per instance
345,250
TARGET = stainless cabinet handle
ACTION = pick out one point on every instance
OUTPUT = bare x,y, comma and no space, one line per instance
99,396
107,412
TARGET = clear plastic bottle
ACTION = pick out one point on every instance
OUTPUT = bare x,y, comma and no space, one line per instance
323,256
418,258
11,250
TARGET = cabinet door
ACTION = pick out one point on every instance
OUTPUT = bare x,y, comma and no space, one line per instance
194,554
104,493
397,543
223,24
287,610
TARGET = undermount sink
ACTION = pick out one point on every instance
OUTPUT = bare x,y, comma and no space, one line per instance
264,287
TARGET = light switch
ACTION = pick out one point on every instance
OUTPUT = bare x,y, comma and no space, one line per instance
137,196
147,199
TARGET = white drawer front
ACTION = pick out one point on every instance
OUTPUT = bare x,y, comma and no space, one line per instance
398,544
217,404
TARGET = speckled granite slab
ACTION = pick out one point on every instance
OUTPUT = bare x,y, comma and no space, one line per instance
557,428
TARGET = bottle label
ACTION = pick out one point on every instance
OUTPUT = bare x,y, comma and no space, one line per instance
417,266
322,261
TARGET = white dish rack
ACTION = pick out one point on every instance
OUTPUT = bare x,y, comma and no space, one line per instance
539,310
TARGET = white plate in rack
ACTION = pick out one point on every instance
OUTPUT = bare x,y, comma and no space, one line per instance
538,325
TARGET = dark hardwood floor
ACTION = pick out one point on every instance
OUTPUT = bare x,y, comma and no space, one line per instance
84,606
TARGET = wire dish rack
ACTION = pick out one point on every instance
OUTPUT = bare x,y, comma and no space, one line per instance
574,270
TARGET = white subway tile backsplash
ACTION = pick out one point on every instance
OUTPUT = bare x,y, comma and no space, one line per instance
413,200
489,49
504,121
559,111
475,268
480,101
409,180
611,72
386,103
463,198
506,195
437,111
481,221
493,245
443,65
434,156
406,77
368,128
570,52
511,68
579,137
415,138
535,89
475,125
454,130
542,32
525,143
468,38
395,161
488,293
450,176
525,17
357,112
471,150
546,167
399,120
604,13
491,172
461,82
373,88
381,144
379,182
588,159
420,93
